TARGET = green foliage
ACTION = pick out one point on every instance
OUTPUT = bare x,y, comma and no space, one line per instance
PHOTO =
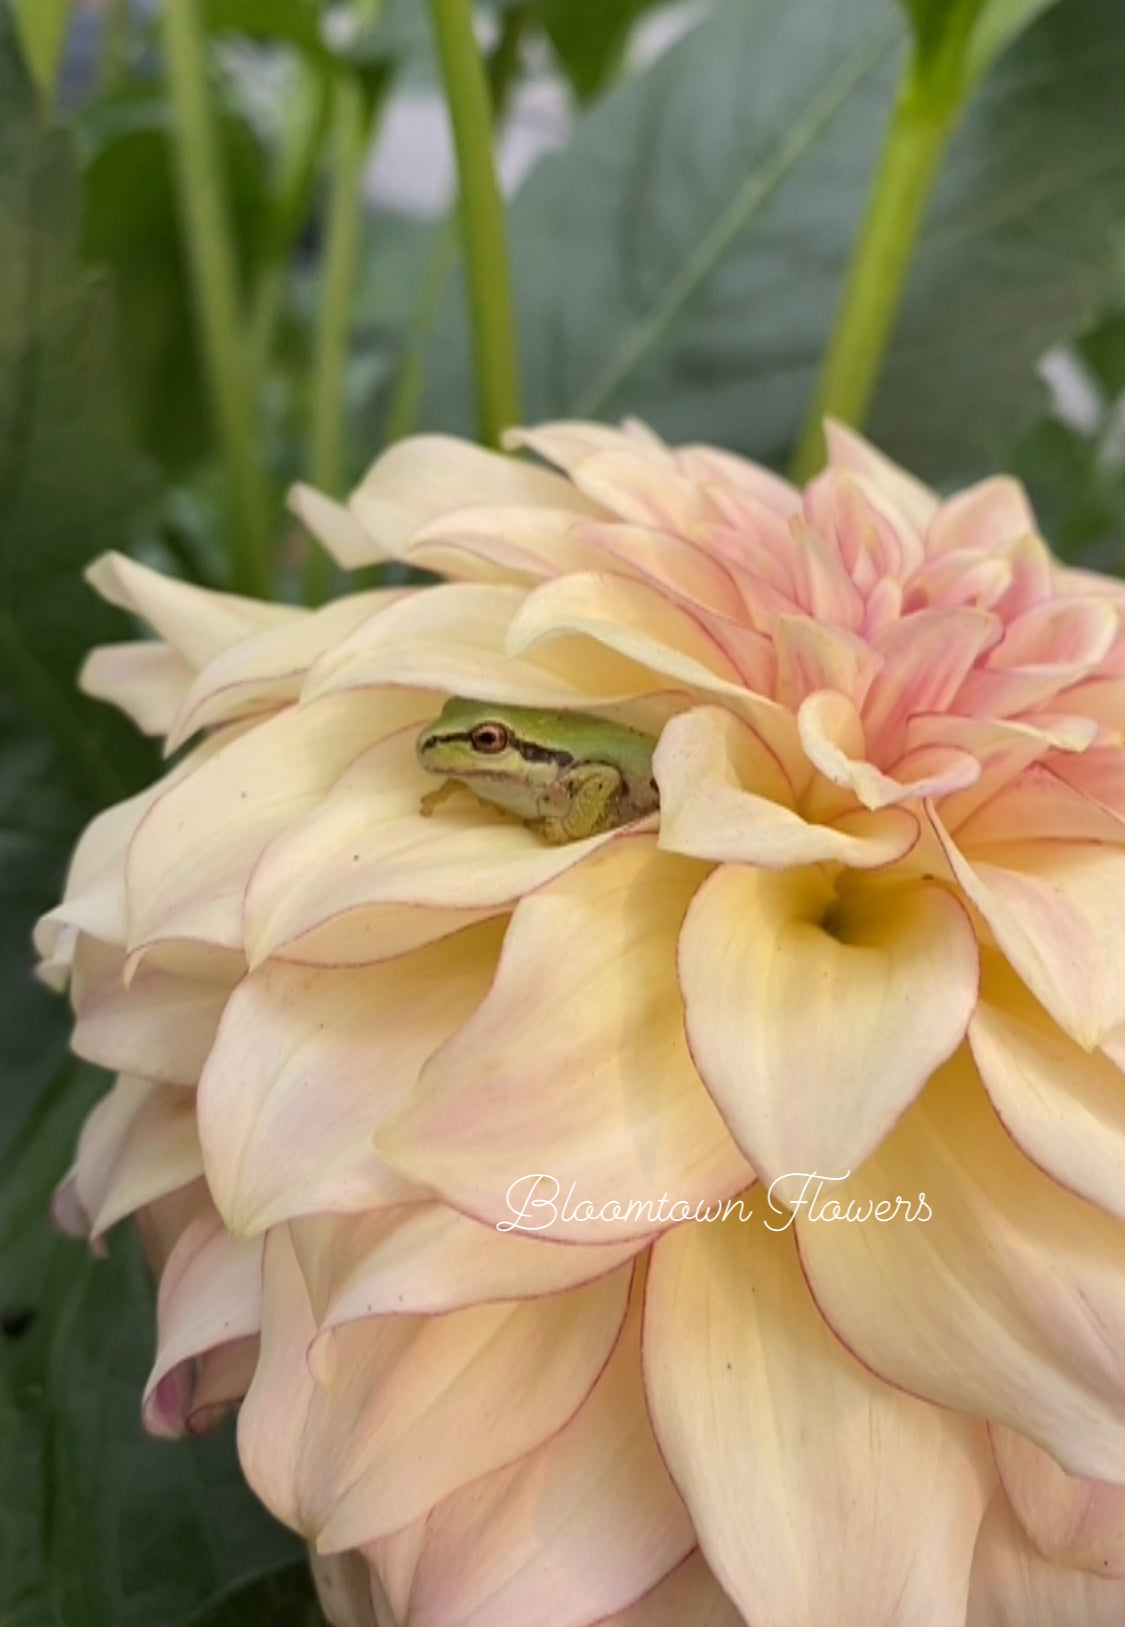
978,29
42,25
589,38
99,1527
682,257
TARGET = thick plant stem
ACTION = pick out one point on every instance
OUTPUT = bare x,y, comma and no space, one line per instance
483,226
925,114
225,342
114,56
351,130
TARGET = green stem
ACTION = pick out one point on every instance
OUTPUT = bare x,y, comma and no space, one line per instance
926,111
406,400
351,141
302,146
215,286
114,54
483,226
47,700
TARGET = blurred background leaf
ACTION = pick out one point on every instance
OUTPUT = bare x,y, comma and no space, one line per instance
681,258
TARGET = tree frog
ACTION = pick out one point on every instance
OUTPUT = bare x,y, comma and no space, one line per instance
565,774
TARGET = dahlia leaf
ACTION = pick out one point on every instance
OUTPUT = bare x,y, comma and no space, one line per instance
681,258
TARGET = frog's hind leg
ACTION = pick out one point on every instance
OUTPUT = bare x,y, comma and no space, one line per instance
586,799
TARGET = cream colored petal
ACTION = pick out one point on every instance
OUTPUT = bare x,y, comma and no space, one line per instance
1065,1107
196,622
146,680
1039,805
567,443
1002,1295
94,898
1014,1586
1079,1524
416,1407
819,1493
632,618
310,1062
673,564
584,1526
505,544
711,466
366,874
421,478
267,670
465,1394
160,1025
336,528
816,1017
210,1297
575,1069
191,856
138,1144
344,1586
1054,910
724,796
453,639
690,1595
426,1259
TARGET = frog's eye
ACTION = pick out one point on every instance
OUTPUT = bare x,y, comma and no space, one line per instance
489,738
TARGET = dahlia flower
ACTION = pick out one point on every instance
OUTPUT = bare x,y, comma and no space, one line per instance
716,1219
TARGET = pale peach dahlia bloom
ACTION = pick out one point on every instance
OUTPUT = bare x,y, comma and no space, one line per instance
878,927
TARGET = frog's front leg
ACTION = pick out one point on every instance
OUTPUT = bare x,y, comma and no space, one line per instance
581,803
434,799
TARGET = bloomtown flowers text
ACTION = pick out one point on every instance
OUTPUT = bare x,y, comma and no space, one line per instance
538,1195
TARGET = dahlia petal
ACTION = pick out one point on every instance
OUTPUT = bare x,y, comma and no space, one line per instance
712,466
1064,1106
850,452
833,738
584,1526
192,854
813,655
210,1299
499,544
416,1407
643,489
267,670
672,563
866,1520
160,1026
1039,805
1054,909
1073,635
960,577
345,1589
94,900
453,639
1014,1586
568,443
466,1394
419,479
689,1594
145,680
138,1144
366,874
803,1009
625,1116
1079,1524
926,657
427,1259
197,622
309,1063
724,796
986,517
336,529
1005,1298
